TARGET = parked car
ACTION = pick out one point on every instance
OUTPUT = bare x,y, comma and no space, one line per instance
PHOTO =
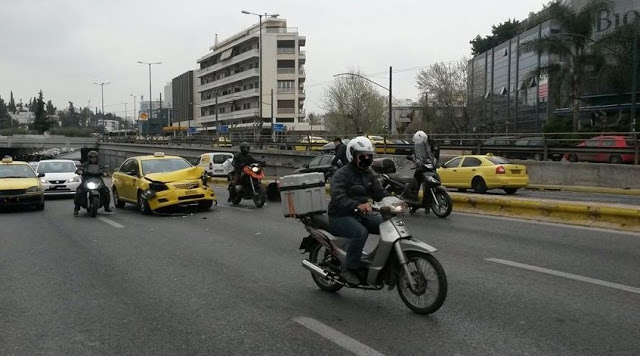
313,143
320,164
483,172
60,176
213,162
378,142
604,142
222,142
534,149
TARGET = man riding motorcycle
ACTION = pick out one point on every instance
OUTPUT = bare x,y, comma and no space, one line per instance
240,160
350,214
92,158
425,148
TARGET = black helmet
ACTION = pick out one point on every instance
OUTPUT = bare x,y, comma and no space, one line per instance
244,147
92,154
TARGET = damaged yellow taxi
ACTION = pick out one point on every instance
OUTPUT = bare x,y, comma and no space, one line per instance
160,181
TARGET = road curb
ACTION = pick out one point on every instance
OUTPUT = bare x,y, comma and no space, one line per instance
624,217
583,189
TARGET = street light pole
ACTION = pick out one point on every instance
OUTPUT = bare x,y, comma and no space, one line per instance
260,58
150,94
102,91
634,79
134,112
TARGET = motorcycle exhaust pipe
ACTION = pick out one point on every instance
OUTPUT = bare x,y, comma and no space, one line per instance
314,268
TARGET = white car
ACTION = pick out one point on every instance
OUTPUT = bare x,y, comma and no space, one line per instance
213,162
60,176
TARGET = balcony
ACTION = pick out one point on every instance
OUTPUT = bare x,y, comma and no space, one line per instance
254,72
291,30
234,115
233,60
289,50
244,94
286,90
286,110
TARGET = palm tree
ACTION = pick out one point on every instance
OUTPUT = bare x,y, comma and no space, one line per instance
570,40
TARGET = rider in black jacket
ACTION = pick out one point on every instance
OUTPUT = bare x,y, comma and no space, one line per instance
83,170
349,211
240,160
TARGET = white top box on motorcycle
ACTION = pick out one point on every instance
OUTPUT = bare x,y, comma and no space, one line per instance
302,194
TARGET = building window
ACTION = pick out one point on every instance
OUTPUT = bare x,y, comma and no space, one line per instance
286,84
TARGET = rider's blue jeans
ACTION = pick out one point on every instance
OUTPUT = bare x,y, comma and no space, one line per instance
355,228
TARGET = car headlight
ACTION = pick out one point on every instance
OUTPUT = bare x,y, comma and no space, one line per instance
34,189
255,169
75,179
43,180
92,185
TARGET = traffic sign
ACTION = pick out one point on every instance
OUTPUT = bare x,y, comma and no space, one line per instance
144,116
278,127
191,130
223,128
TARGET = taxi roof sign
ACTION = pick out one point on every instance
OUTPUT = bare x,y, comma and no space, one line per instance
7,159
158,154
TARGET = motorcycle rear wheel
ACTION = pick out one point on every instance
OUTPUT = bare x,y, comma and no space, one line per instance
443,206
320,256
431,284
94,202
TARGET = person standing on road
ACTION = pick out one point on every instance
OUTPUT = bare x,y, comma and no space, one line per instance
340,158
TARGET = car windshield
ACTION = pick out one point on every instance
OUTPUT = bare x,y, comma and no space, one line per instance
56,167
498,160
16,171
164,165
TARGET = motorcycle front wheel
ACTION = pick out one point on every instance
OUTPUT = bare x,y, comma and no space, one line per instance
259,198
94,202
321,256
430,289
442,205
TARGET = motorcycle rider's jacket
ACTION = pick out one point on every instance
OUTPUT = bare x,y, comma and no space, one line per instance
241,160
342,202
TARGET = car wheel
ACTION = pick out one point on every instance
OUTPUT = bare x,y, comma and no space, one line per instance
116,198
510,191
538,157
143,204
40,206
615,159
205,204
479,186
573,157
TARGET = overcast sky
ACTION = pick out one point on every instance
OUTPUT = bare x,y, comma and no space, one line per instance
63,46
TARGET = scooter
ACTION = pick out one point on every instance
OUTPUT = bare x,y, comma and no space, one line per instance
250,185
93,184
398,259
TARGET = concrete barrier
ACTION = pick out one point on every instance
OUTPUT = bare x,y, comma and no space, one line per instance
280,163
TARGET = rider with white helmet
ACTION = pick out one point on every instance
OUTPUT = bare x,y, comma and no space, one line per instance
349,211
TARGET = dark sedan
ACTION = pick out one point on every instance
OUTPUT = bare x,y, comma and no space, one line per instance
319,164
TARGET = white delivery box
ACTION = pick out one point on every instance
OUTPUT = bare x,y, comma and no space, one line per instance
302,194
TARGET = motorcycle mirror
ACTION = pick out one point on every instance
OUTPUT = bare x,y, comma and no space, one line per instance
40,175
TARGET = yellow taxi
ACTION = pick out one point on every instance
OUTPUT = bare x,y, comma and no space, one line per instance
159,181
313,143
378,142
19,185
483,172
222,142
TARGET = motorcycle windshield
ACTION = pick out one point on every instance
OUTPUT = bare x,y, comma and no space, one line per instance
423,152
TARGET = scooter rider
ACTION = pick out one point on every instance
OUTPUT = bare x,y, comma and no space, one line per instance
92,158
343,220
240,160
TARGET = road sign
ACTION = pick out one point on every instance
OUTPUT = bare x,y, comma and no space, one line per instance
223,128
278,127
144,116
191,130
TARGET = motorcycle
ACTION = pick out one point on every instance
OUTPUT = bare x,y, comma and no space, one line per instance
398,259
250,185
92,183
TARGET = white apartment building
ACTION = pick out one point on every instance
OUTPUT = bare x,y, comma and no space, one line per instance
229,75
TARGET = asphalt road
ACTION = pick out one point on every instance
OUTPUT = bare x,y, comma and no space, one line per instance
229,282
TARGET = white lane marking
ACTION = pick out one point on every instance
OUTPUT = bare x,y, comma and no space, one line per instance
337,337
110,222
549,223
566,275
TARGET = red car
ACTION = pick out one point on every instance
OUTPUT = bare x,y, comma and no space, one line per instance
604,142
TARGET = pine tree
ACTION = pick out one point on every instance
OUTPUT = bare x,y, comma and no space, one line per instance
12,104
41,123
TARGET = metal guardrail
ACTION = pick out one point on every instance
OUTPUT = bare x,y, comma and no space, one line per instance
563,143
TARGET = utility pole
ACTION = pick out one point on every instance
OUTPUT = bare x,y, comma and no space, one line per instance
135,118
634,78
390,123
102,90
273,120
150,94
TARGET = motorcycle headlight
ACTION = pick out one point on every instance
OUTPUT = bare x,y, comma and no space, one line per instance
34,189
255,169
92,185
430,166
75,179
